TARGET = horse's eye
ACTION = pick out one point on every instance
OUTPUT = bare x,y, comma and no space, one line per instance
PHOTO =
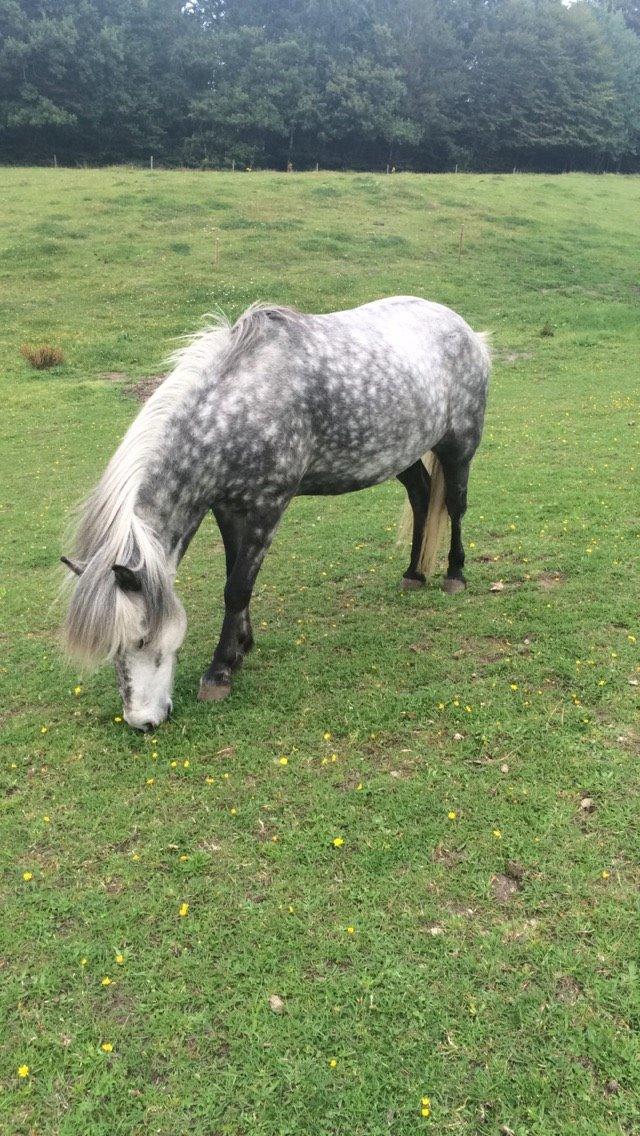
140,645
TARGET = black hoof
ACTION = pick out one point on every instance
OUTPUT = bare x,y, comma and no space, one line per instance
410,583
213,691
453,584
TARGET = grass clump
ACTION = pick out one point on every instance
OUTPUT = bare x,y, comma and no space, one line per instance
43,357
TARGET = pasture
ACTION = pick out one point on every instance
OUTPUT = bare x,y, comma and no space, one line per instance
415,821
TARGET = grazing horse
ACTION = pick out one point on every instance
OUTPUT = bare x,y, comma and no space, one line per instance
278,405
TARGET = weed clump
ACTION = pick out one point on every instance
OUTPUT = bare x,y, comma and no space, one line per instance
42,357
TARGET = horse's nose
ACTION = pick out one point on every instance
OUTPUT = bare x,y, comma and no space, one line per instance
145,726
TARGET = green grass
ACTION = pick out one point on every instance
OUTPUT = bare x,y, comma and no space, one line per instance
506,708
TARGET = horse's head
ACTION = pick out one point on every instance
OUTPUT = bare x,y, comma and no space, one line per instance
146,663
140,625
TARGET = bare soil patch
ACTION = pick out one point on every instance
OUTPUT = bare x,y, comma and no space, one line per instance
549,580
144,388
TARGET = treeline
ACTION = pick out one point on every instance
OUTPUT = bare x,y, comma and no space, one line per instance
415,84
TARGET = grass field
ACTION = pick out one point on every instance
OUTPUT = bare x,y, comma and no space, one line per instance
420,882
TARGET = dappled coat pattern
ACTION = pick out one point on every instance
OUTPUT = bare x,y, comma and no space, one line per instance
277,405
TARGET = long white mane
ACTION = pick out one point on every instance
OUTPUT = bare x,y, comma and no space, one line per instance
101,618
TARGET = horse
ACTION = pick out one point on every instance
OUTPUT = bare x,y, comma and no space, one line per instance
277,405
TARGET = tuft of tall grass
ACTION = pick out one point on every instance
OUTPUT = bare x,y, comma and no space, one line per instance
42,357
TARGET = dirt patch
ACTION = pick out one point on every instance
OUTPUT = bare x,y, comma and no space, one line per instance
504,887
484,648
144,388
512,357
447,856
549,580
460,910
568,990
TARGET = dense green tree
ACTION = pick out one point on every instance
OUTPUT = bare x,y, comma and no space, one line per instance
420,84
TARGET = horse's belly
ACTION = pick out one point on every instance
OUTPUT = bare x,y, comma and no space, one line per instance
341,469
328,484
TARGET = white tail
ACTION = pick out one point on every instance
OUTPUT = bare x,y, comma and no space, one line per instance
437,516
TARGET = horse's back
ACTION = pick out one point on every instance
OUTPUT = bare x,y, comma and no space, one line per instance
347,399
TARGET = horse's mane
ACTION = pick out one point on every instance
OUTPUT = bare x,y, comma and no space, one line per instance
102,618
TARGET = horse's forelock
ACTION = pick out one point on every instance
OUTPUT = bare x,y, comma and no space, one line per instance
102,618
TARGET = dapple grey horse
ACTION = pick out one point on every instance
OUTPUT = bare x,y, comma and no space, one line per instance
277,405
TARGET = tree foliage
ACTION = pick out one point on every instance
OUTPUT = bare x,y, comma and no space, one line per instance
422,84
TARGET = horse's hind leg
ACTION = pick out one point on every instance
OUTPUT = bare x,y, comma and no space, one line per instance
417,482
251,551
456,475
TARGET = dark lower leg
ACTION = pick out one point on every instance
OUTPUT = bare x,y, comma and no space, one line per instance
416,481
236,637
231,527
456,478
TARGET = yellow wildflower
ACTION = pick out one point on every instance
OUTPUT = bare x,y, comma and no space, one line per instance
338,841
77,690
326,736
106,1046
23,1070
120,960
27,876
106,981
83,962
452,815
184,910
497,833
283,761
332,1063
183,859
150,780
186,764
351,930
606,874
209,780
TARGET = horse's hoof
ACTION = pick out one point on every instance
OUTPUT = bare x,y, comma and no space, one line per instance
452,585
213,691
409,584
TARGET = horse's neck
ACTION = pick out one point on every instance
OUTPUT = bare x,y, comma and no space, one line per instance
173,514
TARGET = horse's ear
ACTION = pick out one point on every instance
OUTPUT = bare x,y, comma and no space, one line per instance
71,566
127,579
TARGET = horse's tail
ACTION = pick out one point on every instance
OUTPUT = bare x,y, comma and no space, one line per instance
436,521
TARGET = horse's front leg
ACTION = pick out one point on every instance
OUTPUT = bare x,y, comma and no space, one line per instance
236,637
232,527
